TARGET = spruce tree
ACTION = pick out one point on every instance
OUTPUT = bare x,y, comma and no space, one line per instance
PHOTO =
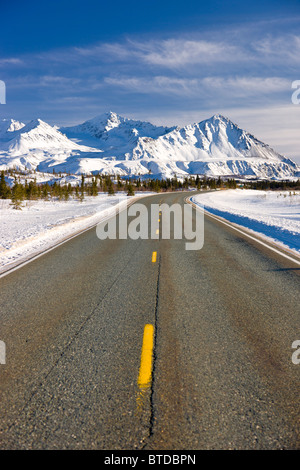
94,190
130,191
82,188
111,190
17,195
4,189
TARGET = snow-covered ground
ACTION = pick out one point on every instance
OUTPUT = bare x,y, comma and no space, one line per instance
41,225
273,214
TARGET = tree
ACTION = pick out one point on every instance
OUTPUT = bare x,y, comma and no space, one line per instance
82,188
4,189
45,191
17,195
111,190
32,190
108,186
119,183
94,189
130,191
212,184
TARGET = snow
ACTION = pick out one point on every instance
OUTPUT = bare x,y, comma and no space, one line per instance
9,125
34,144
112,144
41,225
273,214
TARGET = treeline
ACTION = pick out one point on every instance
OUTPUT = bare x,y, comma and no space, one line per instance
56,190
95,184
274,185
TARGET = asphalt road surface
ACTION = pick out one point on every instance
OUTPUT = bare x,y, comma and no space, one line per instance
224,319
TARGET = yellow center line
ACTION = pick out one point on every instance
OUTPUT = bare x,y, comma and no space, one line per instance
154,255
145,373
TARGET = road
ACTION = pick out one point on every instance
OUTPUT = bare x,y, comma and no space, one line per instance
224,320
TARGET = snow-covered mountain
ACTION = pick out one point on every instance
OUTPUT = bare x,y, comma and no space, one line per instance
117,136
7,126
113,144
36,145
110,126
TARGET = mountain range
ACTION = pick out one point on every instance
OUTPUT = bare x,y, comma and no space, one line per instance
112,144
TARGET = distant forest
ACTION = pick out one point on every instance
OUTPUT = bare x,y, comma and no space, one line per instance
94,184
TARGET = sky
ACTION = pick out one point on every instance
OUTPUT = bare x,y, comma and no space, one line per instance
168,62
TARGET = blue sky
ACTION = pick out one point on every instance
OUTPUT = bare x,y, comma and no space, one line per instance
167,62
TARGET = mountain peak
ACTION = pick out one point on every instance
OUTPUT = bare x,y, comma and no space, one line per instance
37,122
110,120
40,135
10,125
114,129
219,118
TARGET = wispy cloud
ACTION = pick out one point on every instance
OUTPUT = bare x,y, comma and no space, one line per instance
176,53
170,53
181,52
157,84
233,86
283,48
11,61
247,85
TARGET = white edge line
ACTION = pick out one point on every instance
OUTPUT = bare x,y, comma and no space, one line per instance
244,233
33,258
38,255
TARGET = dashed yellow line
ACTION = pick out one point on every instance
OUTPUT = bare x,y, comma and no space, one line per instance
145,373
154,256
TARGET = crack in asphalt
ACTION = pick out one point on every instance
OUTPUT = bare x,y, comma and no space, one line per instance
151,399
67,347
